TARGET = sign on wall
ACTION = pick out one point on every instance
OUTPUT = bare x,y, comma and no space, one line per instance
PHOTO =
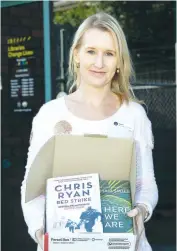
22,67
23,77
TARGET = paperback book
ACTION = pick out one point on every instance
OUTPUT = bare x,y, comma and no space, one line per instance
73,204
115,203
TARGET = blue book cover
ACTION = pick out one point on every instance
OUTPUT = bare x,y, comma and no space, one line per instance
115,203
73,204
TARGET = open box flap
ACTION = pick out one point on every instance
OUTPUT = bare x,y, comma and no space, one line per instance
133,175
110,157
133,183
65,155
40,171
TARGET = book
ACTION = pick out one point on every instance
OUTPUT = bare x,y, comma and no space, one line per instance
115,203
73,204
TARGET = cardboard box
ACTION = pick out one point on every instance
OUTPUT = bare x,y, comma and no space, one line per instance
66,155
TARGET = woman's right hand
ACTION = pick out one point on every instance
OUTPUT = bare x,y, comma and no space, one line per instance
39,237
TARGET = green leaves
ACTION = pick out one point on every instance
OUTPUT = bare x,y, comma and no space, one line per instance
76,15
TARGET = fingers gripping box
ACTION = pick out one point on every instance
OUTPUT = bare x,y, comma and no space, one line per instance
67,155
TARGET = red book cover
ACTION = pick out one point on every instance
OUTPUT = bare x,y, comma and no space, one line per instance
46,242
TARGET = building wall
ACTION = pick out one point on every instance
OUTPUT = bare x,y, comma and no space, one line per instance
18,22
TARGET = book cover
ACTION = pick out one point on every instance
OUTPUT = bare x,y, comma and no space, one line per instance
115,203
73,204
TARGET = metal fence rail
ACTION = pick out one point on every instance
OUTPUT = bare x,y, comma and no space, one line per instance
160,103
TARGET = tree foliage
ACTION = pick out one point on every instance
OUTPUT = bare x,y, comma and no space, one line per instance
145,22
74,16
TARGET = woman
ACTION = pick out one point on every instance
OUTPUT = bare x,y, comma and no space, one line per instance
100,69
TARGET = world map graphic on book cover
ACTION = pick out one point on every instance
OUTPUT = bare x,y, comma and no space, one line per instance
73,204
115,203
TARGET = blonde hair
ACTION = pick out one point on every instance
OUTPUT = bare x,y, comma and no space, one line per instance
121,81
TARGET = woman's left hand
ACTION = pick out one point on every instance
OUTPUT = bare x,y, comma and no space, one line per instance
139,209
140,213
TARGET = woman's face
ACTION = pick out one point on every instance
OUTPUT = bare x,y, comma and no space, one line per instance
97,57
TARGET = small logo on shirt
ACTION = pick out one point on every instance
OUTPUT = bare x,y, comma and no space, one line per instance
63,127
123,126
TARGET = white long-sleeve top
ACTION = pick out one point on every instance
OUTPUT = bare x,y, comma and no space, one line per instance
129,121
